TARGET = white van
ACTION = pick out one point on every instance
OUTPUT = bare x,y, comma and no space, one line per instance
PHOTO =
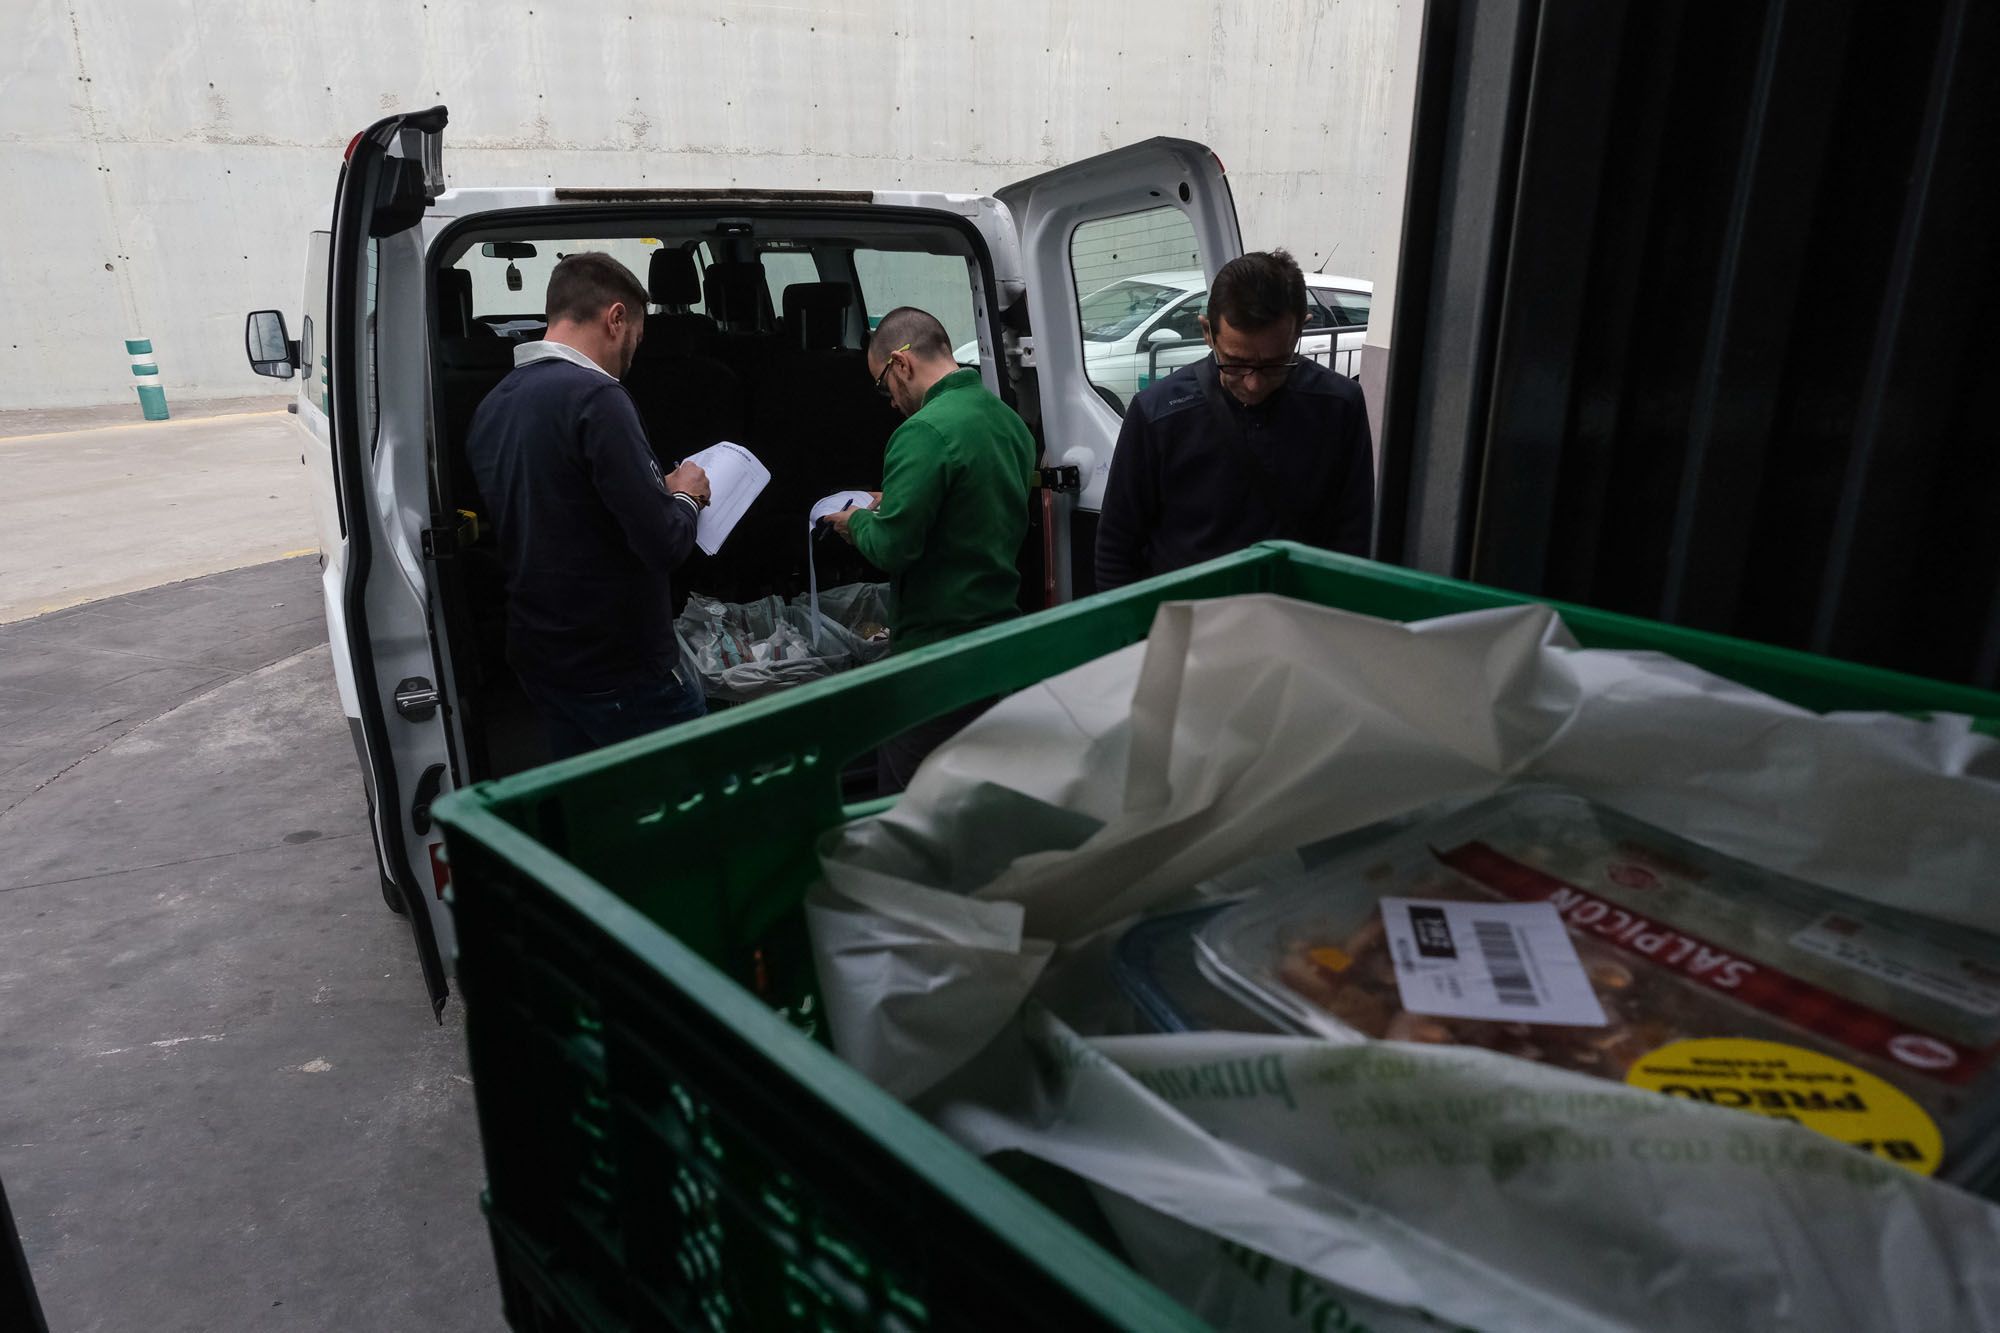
763,300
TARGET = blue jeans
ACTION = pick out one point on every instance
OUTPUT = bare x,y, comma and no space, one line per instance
578,721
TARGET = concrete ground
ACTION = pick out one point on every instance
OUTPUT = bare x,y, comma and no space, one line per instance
225,1104
95,506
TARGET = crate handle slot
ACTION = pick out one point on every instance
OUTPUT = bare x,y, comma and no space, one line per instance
772,768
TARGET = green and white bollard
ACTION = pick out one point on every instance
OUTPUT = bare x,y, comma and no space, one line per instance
152,394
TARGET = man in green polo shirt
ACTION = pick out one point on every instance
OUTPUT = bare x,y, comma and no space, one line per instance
948,522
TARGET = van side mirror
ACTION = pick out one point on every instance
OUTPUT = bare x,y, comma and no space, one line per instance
269,345
1162,337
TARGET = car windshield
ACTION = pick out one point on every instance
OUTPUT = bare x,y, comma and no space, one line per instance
1112,312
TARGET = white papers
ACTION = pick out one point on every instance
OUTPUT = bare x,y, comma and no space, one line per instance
832,504
735,478
838,501
1504,962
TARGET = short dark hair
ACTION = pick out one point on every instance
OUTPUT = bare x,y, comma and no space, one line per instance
907,324
1257,290
583,285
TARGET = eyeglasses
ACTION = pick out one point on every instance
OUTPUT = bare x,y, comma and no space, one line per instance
882,380
1270,370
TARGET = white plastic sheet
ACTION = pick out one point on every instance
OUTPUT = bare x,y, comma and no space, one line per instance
1412,1179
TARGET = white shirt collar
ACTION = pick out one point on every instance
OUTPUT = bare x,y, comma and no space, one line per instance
529,353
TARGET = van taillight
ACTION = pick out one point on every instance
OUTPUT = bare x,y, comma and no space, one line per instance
440,870
1220,169
350,145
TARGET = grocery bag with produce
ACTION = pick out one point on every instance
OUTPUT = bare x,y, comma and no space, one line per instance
743,651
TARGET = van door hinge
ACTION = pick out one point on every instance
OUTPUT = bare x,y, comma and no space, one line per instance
1021,351
1066,480
416,699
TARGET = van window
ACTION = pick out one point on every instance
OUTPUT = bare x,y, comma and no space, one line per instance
512,311
782,268
703,257
1134,274
1117,310
941,284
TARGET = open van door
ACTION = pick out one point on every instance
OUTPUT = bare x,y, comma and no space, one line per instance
1101,240
394,172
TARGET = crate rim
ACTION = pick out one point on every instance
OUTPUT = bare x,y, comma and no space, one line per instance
1981,706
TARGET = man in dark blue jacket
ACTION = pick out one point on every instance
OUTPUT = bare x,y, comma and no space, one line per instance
1251,443
590,530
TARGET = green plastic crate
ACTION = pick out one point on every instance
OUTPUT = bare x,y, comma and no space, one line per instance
668,1144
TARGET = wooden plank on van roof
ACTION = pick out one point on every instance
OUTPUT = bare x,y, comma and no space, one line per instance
731,194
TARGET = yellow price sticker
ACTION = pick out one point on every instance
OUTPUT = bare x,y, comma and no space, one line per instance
1826,1095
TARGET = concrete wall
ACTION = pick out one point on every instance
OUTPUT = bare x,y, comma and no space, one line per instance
1158,241
160,163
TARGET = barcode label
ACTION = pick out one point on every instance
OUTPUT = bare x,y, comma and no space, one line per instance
1511,982
1506,962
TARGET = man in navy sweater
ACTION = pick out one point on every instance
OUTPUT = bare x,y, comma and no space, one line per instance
1251,443
590,530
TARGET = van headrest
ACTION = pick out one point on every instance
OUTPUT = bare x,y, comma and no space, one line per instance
676,333
736,295
816,314
454,303
672,278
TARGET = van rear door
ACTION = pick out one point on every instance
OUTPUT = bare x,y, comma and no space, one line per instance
1104,243
316,454
376,438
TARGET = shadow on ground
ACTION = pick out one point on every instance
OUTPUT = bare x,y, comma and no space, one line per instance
225,1104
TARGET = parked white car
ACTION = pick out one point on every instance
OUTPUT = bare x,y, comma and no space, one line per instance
1139,328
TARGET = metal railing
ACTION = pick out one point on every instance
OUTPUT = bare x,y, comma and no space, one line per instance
1347,362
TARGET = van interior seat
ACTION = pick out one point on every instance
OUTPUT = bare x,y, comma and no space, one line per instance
472,359
817,412
472,367
686,402
454,317
816,315
674,284
686,398
736,295
739,299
